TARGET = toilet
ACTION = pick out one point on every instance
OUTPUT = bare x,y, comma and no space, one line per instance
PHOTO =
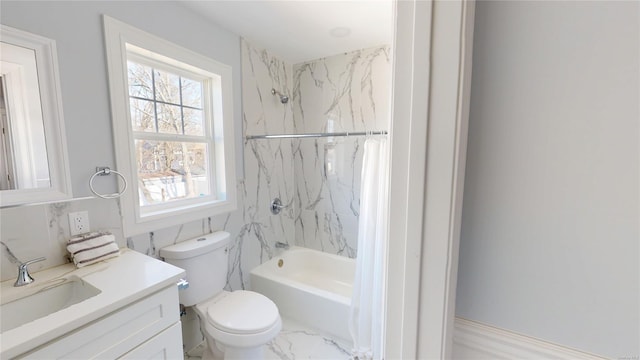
236,324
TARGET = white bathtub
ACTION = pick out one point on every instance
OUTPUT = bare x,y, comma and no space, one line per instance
310,287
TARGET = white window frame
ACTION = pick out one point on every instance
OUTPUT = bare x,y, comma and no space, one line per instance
121,38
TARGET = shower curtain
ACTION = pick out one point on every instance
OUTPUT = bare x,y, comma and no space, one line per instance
367,310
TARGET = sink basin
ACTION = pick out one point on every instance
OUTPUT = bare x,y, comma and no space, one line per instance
45,301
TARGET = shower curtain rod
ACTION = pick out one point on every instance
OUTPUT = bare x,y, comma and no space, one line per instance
316,135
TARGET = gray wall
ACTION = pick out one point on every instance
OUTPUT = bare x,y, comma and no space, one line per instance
77,28
550,239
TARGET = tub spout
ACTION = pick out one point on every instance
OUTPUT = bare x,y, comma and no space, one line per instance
281,245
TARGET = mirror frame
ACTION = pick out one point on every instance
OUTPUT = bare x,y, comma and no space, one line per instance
53,122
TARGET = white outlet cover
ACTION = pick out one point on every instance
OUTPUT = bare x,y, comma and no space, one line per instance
79,222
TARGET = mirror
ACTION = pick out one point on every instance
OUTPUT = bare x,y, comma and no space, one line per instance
33,158
24,155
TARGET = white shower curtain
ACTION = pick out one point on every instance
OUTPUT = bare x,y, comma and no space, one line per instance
366,315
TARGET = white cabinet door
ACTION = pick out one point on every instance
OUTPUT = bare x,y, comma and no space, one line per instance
166,345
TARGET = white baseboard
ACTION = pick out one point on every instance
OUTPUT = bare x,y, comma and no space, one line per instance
473,340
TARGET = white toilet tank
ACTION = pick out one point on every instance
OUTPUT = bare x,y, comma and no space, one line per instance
205,259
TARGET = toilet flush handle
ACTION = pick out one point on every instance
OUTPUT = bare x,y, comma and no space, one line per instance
182,284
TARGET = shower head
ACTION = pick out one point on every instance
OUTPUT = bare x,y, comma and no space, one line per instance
283,98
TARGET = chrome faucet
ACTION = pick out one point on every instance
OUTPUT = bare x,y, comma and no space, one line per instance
277,206
281,245
23,273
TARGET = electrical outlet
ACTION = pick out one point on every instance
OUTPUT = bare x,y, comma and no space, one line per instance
79,222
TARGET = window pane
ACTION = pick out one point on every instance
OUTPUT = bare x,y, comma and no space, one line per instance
191,93
142,115
167,87
140,84
193,122
169,119
171,170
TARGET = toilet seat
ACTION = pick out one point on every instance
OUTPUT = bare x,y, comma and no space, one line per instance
242,312
243,332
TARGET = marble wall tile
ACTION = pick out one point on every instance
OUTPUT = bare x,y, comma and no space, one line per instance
25,236
268,164
42,230
328,175
263,113
319,178
346,92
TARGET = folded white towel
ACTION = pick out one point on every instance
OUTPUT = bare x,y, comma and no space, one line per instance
91,248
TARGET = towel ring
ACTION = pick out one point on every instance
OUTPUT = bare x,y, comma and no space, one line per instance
104,171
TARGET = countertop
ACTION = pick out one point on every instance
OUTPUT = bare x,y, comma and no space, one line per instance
121,280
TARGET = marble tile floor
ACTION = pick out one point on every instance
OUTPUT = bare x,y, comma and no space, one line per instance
297,341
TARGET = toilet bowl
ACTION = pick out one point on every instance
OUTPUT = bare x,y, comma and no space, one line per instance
236,324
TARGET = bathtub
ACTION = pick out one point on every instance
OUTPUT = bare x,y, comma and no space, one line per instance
309,287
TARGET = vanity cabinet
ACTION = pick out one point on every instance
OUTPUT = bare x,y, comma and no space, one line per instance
145,329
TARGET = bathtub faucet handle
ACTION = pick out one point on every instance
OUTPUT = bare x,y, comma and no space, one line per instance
276,206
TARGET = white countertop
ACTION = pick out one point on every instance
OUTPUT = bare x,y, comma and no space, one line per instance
121,280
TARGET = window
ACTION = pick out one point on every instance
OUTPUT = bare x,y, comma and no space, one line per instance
168,120
173,130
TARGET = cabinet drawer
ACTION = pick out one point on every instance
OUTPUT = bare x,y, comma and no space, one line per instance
166,345
117,333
